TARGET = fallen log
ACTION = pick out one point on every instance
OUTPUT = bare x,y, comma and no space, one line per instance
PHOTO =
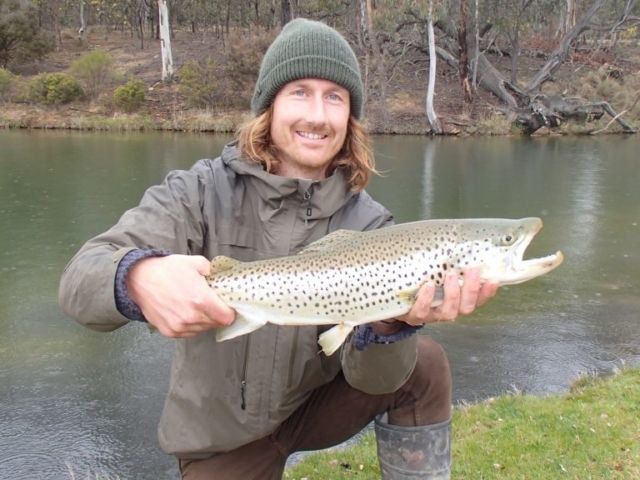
553,111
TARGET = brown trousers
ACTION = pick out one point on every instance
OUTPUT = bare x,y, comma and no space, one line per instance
334,413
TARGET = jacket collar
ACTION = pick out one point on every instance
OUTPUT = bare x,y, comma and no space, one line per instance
325,197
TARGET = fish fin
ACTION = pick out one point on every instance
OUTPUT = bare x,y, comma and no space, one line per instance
409,296
438,296
241,326
332,339
222,263
329,241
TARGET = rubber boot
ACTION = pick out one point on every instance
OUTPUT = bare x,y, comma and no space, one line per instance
410,453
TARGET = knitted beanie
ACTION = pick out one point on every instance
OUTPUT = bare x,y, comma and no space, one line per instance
308,49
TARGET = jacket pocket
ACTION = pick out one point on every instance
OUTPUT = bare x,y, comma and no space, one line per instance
243,243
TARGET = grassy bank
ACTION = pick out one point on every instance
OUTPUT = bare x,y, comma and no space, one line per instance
591,432
210,121
33,117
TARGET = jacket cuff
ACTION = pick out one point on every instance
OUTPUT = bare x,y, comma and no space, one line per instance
124,304
364,336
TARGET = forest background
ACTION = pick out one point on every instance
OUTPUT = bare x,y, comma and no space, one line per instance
430,66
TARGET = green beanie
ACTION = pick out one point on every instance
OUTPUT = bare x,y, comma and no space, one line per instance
308,49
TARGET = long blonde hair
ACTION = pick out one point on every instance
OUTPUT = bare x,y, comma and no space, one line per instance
355,157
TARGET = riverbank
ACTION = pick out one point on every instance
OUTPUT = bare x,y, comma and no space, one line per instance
168,107
593,431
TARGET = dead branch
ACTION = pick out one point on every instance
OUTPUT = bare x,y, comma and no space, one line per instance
614,119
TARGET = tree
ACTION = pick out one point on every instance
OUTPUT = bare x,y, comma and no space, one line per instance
624,20
431,113
464,52
165,42
378,60
286,12
21,39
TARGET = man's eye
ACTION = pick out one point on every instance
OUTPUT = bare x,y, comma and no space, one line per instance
299,93
334,97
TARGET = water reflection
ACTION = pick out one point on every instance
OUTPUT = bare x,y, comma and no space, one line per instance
72,398
536,337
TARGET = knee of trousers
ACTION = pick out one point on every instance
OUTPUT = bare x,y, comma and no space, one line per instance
430,382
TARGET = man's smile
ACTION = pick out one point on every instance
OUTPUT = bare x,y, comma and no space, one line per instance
312,136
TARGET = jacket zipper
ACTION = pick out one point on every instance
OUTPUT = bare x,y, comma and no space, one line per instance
243,382
307,197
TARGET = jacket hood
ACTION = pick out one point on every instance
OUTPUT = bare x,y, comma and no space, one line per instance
321,197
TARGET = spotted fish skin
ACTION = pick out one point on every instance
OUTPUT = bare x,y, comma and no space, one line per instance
351,278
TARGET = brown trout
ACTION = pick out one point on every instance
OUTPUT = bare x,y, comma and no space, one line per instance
351,278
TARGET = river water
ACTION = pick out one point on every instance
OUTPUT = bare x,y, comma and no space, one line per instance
75,402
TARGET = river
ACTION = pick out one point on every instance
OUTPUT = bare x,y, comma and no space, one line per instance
73,400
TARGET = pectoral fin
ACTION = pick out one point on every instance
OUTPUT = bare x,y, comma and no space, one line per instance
409,296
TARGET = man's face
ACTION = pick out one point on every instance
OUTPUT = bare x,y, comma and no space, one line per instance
309,126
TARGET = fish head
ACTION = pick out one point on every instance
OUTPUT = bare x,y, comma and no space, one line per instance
498,246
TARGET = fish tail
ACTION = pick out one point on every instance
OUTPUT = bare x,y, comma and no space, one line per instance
332,339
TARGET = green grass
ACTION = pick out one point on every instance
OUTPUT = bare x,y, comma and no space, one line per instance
591,432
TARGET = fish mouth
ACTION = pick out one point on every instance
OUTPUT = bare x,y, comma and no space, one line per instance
519,270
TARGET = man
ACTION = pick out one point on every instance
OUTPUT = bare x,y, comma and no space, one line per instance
237,409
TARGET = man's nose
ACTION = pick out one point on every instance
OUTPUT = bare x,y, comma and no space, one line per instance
316,113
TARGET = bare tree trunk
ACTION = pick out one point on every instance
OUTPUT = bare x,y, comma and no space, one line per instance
362,24
83,23
256,10
378,60
165,41
515,52
570,21
464,53
476,48
436,127
488,76
287,12
560,53
272,9
367,61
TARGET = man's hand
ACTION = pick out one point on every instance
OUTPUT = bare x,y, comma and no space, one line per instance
457,300
175,297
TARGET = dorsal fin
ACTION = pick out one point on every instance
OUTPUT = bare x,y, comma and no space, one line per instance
329,241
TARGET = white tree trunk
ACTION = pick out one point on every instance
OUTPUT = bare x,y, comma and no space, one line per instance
431,113
83,24
165,41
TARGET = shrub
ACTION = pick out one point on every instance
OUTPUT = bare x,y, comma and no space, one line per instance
227,83
6,84
130,96
54,88
201,82
22,39
629,33
93,69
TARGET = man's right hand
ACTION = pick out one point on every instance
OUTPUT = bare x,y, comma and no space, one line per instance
174,296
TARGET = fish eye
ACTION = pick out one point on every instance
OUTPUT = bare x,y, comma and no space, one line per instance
508,239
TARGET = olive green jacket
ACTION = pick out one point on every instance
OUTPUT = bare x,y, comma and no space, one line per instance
224,395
